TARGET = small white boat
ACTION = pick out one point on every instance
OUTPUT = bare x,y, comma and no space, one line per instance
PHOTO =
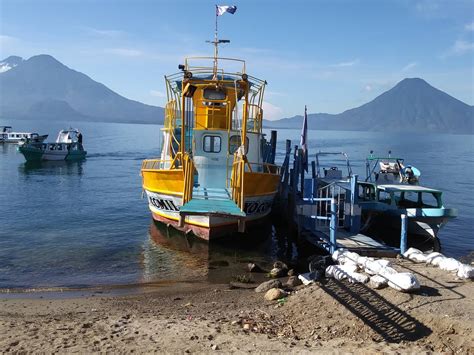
68,146
8,136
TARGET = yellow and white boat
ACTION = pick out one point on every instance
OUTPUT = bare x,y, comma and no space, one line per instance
213,176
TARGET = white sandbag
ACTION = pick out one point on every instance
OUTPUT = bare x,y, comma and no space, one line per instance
343,256
377,282
411,251
434,258
417,257
306,278
387,271
449,264
374,267
465,272
403,281
347,271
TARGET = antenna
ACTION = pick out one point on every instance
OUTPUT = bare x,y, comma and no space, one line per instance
216,43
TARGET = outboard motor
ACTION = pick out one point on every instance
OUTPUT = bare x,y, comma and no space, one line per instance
410,174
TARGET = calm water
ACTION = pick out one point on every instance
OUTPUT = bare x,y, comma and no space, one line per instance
84,224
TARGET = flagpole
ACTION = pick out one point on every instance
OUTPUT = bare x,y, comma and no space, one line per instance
215,49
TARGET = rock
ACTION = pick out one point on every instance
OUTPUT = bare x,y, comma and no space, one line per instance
252,267
215,347
246,326
293,281
291,272
280,265
277,272
274,294
267,285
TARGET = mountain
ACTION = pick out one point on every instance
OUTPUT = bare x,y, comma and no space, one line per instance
411,105
43,88
9,63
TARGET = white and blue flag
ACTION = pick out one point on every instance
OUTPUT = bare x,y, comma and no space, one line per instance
222,9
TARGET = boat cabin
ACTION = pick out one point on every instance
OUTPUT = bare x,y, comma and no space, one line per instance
400,196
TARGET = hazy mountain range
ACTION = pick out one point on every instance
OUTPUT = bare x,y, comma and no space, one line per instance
43,88
411,105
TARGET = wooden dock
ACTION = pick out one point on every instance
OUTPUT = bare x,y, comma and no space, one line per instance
326,220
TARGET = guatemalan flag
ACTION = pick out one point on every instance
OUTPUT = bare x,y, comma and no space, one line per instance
221,10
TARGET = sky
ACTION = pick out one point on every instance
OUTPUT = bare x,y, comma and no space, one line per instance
330,55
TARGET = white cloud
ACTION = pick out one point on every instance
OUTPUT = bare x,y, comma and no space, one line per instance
345,64
409,66
104,33
460,47
469,26
124,52
272,112
4,40
157,93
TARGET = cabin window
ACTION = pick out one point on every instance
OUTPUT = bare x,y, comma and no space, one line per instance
429,200
212,144
214,94
235,142
385,197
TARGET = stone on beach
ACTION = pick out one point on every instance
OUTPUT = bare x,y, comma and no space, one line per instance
293,281
274,294
267,285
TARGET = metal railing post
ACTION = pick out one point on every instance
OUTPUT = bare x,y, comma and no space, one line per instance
333,226
403,234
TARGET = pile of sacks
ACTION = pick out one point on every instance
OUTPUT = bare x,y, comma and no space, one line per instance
377,272
463,271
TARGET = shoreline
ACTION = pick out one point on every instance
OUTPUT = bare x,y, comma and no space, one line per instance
327,317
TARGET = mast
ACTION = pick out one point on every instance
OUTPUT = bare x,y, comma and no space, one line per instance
216,42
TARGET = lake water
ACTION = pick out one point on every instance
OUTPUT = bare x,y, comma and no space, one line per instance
84,223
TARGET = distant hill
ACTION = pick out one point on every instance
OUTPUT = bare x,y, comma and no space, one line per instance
411,105
43,88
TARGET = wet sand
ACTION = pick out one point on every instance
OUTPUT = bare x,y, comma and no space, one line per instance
186,318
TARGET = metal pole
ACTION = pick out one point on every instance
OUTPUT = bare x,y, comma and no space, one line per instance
403,234
355,220
332,227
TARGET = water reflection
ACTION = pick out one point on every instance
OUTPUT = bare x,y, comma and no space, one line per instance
62,167
171,254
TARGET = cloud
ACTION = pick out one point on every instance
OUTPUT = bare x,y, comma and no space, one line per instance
124,52
409,66
460,47
4,40
427,7
469,26
272,112
104,33
157,93
368,88
345,64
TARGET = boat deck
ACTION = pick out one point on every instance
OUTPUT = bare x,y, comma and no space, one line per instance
211,201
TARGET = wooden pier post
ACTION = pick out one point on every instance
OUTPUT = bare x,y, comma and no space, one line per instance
403,234
273,142
333,226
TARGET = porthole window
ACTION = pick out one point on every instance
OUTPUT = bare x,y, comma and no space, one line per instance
212,144
235,142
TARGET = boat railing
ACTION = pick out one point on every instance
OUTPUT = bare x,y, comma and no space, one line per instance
241,166
188,65
189,169
161,164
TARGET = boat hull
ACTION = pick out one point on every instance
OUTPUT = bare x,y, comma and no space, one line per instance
423,225
165,209
37,154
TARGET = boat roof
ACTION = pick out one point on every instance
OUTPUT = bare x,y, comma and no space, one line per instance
411,188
